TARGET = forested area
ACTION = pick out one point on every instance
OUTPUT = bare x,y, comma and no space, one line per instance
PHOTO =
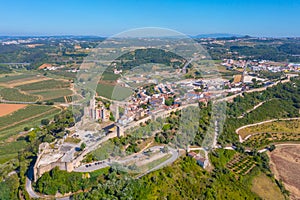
64,182
185,179
9,187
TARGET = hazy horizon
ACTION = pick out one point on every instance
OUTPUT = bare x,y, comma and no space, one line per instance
264,18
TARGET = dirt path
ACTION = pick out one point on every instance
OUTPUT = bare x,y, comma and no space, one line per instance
252,109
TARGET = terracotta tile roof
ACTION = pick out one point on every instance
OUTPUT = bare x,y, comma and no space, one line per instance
45,65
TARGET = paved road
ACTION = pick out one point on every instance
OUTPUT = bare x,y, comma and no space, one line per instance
30,191
34,195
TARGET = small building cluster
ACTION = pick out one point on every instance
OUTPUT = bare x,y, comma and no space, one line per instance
203,162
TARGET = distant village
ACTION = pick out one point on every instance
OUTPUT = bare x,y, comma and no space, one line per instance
263,65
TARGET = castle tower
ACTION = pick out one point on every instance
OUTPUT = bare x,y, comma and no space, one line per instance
120,130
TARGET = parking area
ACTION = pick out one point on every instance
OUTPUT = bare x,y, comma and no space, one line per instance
89,167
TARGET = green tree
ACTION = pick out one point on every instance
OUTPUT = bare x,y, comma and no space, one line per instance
45,121
82,146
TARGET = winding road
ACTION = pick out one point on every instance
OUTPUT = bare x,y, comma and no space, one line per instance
30,191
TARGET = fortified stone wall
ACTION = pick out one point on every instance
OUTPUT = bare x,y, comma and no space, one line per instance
39,171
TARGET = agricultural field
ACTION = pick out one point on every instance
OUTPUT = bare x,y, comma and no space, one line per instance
23,116
241,164
45,85
9,78
283,126
21,79
32,87
109,76
59,100
267,189
262,135
10,150
6,109
52,94
13,94
113,92
9,132
263,140
285,164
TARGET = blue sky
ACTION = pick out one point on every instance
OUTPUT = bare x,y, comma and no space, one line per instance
192,17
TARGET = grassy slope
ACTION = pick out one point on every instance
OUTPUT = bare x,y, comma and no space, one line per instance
266,188
187,180
113,92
